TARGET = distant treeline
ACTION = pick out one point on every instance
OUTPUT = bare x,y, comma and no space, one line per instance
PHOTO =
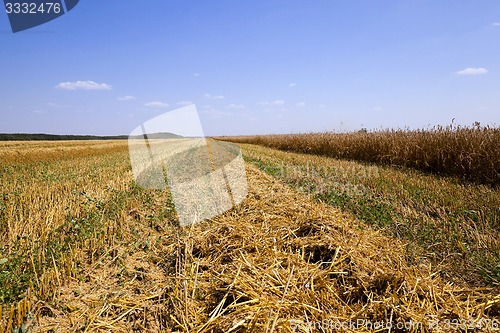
57,137
470,153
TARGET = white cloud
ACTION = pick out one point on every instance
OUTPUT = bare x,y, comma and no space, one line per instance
300,104
156,104
207,95
184,103
126,98
83,85
273,103
38,111
497,24
55,105
215,113
377,108
235,106
473,71
292,84
322,106
196,74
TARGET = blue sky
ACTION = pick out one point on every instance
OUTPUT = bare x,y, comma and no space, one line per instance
254,67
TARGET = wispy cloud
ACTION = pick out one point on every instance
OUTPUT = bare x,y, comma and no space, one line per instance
377,108
473,71
83,85
156,104
292,84
38,111
214,112
235,106
207,95
300,104
196,74
497,24
273,103
184,103
55,105
126,98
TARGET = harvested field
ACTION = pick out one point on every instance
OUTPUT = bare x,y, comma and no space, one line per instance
453,224
111,257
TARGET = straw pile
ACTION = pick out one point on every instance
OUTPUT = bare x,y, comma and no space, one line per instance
276,263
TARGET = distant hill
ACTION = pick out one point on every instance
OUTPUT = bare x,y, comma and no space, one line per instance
164,135
56,137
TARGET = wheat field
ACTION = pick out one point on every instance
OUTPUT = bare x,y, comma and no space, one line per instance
471,153
84,249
